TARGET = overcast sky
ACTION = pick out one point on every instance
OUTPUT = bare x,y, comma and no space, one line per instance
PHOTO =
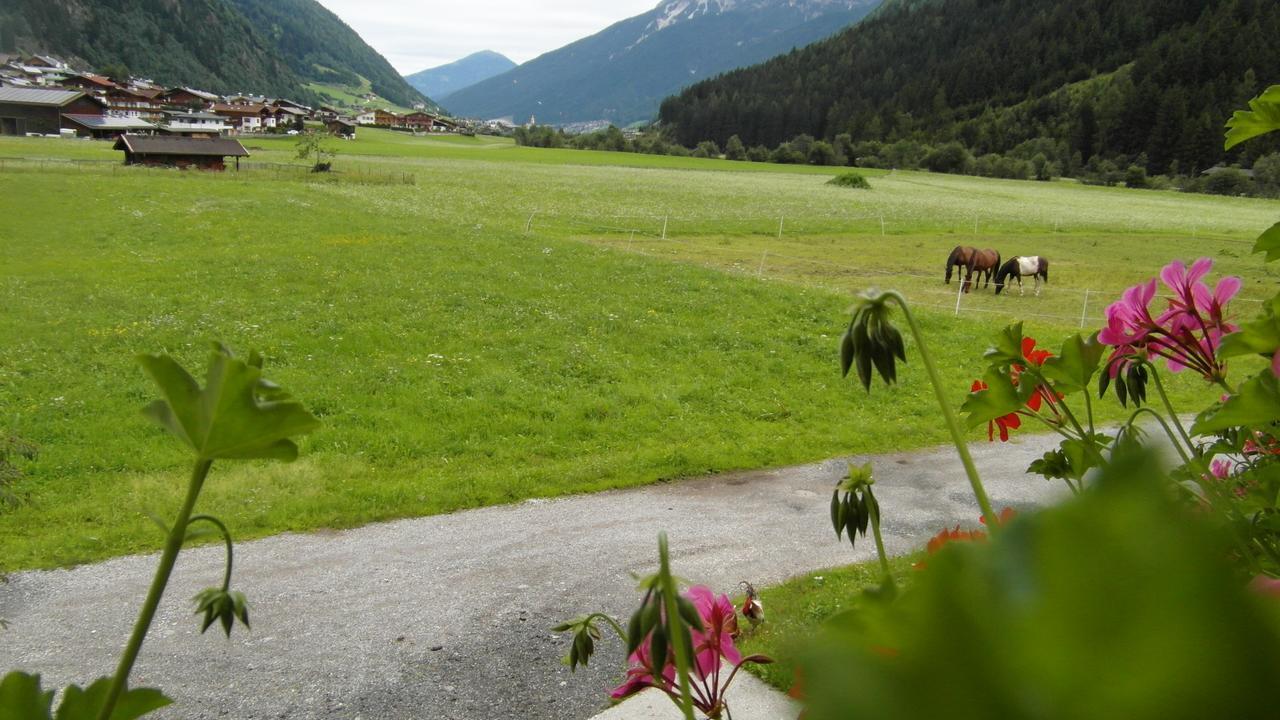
418,34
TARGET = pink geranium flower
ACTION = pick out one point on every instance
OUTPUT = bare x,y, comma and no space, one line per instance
712,648
1186,334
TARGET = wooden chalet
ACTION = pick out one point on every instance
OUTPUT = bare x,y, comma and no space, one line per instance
341,127
40,111
89,82
181,152
134,103
245,118
186,97
386,118
419,121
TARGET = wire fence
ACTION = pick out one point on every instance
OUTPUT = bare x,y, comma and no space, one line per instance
245,170
711,241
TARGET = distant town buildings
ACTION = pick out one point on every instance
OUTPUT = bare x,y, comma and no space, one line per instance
42,95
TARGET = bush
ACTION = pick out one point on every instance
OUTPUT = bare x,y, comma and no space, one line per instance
1136,177
734,149
950,158
850,180
759,153
821,153
707,149
1228,181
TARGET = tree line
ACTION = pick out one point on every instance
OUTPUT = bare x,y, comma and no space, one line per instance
1146,82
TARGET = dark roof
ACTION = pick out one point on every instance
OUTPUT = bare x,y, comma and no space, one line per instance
108,122
342,121
169,145
51,98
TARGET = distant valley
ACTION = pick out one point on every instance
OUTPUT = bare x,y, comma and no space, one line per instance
622,73
440,82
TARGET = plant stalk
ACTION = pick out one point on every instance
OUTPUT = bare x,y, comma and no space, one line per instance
173,545
677,628
1173,415
953,425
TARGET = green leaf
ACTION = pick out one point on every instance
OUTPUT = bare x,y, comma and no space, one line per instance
1261,336
85,704
1008,347
1074,367
999,399
1123,583
236,415
1255,405
1262,117
22,699
1269,243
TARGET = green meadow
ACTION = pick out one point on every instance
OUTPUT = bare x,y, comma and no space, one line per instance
478,323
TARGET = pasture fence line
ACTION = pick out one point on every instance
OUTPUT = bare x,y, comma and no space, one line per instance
867,221
618,232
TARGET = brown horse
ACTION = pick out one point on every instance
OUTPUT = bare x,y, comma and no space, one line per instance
982,261
959,258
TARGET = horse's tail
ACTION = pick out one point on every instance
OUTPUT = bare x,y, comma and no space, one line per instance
1044,269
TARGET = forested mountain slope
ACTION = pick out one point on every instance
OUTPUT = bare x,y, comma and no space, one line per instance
1152,80
622,73
261,46
319,46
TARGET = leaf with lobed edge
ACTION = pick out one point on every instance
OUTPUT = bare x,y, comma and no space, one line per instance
237,415
1262,117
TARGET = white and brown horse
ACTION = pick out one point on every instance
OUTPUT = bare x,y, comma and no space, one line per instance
1018,266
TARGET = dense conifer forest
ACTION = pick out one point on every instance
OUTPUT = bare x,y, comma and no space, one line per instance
1091,85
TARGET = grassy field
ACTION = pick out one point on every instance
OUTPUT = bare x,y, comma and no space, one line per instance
461,355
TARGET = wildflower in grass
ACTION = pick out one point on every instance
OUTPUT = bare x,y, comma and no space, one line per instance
1189,331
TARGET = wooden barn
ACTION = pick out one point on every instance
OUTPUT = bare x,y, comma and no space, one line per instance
182,152
24,110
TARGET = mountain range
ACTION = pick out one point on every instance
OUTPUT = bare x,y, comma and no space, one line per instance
439,82
273,47
1148,82
622,73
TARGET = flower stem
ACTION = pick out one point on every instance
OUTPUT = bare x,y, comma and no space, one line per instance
226,537
1167,430
953,425
1173,415
683,661
617,629
177,534
884,558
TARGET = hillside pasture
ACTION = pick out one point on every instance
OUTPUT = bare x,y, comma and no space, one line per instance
460,354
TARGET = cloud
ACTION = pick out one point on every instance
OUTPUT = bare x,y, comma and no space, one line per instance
415,35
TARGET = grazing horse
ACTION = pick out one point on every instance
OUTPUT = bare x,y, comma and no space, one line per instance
1034,265
982,261
959,258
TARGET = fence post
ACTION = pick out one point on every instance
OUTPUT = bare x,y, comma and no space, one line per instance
960,294
665,218
760,272
1084,311
631,240
882,225
528,226
780,219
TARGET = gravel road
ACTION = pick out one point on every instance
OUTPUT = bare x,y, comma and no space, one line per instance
449,616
